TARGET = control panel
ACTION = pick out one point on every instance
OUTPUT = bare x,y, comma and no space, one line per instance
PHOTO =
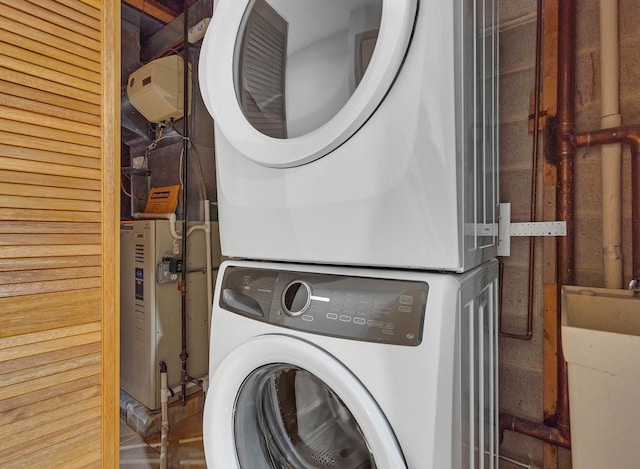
360,308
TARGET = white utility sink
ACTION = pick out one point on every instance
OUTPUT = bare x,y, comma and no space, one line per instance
601,343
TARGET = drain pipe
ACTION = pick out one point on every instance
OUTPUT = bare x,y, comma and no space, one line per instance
611,153
631,136
164,399
565,189
209,266
166,216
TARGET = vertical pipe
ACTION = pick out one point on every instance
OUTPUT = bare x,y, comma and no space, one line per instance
534,181
534,167
209,266
611,160
631,136
164,399
635,210
565,185
185,166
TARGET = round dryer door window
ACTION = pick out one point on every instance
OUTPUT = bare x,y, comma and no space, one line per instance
288,81
287,417
280,402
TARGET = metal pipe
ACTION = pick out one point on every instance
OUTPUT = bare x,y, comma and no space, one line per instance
534,170
534,430
631,136
184,354
164,399
560,434
534,183
635,210
567,142
565,189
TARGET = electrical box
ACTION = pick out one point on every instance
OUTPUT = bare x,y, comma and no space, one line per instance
151,309
156,89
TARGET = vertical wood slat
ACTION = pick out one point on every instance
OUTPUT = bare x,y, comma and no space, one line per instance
59,324
110,435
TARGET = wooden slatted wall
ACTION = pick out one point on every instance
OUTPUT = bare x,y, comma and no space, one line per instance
58,314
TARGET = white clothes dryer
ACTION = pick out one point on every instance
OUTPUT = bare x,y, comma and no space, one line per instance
342,367
360,132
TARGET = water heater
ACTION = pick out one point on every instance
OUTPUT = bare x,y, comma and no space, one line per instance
150,310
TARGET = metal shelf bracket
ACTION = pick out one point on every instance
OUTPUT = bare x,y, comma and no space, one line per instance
506,229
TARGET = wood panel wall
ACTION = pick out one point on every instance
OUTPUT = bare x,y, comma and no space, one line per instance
59,127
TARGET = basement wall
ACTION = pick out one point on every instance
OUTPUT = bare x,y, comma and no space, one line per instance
521,370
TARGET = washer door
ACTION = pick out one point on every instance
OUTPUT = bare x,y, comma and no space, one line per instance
288,81
277,402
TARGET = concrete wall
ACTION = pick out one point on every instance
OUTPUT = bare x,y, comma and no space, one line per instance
521,384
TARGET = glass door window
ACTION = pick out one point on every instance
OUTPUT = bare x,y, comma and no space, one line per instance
299,61
285,417
289,81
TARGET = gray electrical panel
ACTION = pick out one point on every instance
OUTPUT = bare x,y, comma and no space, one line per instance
151,308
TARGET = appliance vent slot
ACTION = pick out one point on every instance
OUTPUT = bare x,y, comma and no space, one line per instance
139,253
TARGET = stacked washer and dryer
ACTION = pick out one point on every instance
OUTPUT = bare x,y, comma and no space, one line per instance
355,325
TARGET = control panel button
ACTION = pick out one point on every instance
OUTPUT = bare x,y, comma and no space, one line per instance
345,318
360,321
406,300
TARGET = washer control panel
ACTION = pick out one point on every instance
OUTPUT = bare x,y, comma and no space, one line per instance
360,308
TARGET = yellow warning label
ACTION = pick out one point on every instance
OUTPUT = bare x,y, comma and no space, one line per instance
163,200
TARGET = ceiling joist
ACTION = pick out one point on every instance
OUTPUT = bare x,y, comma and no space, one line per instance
153,8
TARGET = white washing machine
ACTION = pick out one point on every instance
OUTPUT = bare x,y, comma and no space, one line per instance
342,367
360,132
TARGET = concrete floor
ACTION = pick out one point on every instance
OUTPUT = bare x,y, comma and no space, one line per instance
185,446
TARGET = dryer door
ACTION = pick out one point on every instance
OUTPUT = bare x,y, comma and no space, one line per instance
288,81
279,402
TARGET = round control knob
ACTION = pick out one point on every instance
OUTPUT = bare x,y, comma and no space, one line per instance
296,298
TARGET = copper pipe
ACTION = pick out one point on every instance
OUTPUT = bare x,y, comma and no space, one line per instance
630,136
635,210
534,169
565,188
566,150
567,142
534,430
534,184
